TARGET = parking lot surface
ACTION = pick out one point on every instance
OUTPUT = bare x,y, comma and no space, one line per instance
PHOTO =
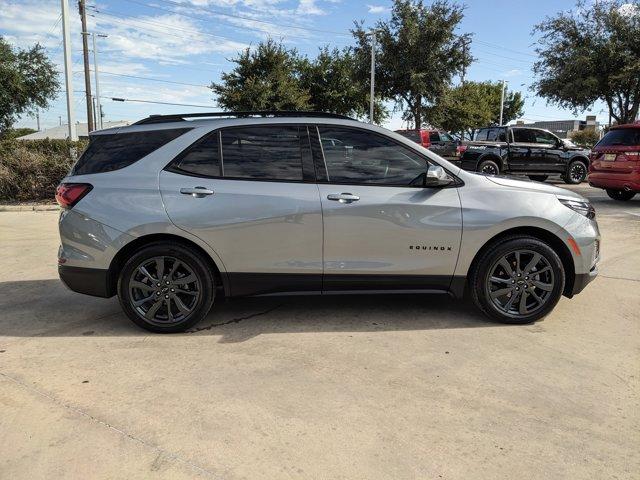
370,387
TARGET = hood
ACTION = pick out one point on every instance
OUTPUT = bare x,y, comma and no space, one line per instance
532,186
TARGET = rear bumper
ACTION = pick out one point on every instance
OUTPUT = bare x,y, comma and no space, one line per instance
583,279
621,181
90,281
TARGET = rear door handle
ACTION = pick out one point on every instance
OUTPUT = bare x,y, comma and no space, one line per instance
197,192
343,197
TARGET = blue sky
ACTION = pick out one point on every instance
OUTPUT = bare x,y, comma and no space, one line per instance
170,50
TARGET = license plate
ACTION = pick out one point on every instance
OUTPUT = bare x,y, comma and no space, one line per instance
609,157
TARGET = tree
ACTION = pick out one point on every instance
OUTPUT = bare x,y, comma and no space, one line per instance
11,133
419,53
586,138
472,105
591,54
28,81
333,85
264,79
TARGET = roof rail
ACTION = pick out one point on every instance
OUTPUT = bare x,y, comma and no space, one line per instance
258,113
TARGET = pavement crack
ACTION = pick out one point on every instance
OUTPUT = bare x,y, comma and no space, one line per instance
161,451
620,278
233,320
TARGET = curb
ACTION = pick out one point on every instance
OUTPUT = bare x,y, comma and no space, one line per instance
29,208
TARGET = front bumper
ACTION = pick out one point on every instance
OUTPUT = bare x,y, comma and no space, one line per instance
90,281
583,279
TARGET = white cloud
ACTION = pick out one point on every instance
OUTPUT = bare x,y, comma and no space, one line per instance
378,9
309,7
512,73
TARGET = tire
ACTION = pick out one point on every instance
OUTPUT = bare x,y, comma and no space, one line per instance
488,167
576,173
620,195
538,178
547,286
187,285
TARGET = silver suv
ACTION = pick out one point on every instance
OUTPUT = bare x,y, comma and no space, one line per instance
177,211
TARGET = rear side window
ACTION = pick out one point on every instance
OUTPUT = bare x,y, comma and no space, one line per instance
262,153
624,137
202,158
434,136
109,152
481,135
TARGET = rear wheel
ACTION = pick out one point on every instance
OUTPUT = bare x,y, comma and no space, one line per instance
538,178
620,195
166,288
488,167
576,173
518,280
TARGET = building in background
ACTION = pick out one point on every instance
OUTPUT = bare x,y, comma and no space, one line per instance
62,131
565,128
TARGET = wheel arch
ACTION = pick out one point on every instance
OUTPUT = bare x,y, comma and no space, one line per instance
540,233
126,251
580,158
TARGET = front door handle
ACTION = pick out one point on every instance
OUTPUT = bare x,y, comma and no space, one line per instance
343,197
197,192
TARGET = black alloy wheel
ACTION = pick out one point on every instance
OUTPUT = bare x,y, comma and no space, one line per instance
489,167
518,279
621,195
166,288
576,173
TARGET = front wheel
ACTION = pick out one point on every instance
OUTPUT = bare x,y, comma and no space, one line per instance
518,280
620,195
166,288
576,173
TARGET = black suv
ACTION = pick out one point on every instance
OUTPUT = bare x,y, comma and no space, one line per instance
534,152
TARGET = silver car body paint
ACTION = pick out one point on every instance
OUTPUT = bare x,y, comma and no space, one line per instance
283,227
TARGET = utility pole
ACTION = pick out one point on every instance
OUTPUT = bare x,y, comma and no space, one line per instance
60,120
85,53
373,75
95,71
71,119
38,120
502,101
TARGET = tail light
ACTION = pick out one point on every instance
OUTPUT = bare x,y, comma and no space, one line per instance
460,149
633,156
68,194
424,138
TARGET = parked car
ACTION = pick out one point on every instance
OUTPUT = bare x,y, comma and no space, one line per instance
438,141
615,162
534,152
178,211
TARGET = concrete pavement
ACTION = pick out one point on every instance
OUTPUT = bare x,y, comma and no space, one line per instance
355,388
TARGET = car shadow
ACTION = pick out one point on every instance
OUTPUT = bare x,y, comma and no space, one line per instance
46,308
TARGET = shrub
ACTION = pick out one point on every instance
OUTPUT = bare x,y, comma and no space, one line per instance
586,138
31,169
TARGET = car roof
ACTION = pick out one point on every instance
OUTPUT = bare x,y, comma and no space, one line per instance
636,124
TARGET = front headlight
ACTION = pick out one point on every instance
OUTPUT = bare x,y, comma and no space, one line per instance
583,208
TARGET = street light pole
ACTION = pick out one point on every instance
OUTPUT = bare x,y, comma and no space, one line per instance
95,71
71,119
502,101
373,75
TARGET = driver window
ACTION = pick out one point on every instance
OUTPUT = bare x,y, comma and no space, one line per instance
359,156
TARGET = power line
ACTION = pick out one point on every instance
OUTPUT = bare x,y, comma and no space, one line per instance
153,79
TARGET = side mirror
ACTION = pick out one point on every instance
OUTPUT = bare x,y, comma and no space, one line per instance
436,176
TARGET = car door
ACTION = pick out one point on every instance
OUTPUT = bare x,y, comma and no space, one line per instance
449,146
553,153
525,154
382,228
249,193
437,146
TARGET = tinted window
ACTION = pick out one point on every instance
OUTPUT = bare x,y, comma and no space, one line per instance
268,153
524,135
446,137
203,158
434,136
497,135
481,135
544,137
627,137
118,150
365,157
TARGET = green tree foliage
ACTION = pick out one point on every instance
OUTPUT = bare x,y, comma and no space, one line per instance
28,81
264,78
472,105
419,53
333,85
592,53
586,138
15,133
